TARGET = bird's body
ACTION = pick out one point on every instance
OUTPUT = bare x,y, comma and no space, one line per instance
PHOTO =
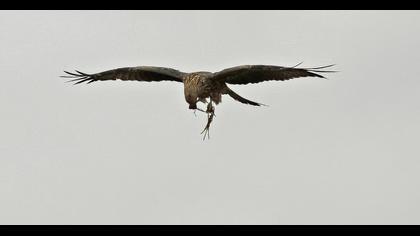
200,86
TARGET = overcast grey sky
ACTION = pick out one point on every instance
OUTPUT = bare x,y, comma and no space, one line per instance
337,151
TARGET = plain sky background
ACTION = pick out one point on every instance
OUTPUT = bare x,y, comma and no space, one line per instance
337,151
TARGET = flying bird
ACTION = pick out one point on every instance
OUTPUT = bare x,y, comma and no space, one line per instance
203,85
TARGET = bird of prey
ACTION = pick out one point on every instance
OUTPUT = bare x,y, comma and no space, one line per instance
203,85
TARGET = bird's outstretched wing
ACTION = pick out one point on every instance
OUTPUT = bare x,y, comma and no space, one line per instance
140,73
259,73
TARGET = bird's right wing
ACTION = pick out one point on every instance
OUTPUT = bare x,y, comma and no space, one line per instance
140,73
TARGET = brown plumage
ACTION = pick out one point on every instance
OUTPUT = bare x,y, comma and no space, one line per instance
198,86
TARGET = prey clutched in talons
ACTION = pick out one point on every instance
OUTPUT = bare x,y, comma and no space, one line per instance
210,115
206,129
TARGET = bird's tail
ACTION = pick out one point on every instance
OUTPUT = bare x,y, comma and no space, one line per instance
241,99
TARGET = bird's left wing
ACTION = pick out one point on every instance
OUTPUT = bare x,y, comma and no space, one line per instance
140,73
259,73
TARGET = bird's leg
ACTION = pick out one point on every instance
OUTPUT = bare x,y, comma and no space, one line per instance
199,109
210,115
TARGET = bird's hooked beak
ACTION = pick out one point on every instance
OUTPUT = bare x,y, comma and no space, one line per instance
193,106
